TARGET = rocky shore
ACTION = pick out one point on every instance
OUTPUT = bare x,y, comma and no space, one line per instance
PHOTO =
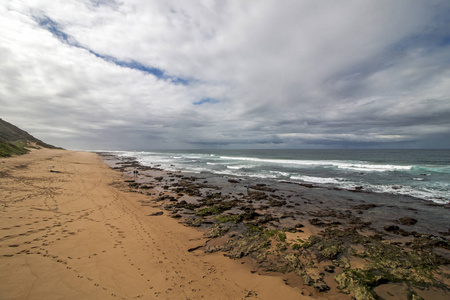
333,243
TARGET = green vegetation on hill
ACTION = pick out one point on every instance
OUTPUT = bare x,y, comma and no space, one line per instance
15,141
8,149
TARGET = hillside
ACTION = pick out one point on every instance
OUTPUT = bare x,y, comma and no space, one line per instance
14,140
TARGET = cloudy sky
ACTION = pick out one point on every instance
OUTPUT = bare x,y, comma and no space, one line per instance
142,74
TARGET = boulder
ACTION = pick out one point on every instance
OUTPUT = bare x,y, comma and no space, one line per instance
407,221
391,228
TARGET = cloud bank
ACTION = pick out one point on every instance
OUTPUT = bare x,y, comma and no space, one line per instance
139,74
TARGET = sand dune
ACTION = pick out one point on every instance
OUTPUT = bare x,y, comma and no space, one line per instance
70,229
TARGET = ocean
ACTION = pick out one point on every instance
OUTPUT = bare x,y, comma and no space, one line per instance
423,174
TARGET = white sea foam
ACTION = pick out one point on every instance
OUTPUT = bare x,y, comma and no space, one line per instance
440,197
280,174
371,167
355,166
196,170
127,154
265,176
359,166
149,160
238,167
224,172
322,180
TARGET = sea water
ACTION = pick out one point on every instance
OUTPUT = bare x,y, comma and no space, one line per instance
423,174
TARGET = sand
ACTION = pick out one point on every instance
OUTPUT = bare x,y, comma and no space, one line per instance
69,229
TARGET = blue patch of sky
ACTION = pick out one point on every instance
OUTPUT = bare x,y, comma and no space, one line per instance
445,41
178,80
55,29
206,100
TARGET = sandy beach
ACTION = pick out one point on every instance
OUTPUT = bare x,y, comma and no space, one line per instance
70,228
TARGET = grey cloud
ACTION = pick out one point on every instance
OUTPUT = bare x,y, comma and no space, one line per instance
301,74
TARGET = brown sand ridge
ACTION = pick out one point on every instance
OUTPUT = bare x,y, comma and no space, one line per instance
69,231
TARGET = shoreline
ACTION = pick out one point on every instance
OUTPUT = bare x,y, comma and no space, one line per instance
400,174
71,228
294,215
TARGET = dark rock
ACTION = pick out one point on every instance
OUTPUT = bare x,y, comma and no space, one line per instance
217,231
321,286
323,213
186,205
194,221
329,251
159,213
290,214
364,206
319,222
391,228
194,248
407,221
251,215
329,268
308,185
262,187
307,280
266,219
257,196
404,232
359,223
275,203
146,187
316,222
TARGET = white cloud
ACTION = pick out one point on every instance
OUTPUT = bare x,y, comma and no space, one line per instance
342,71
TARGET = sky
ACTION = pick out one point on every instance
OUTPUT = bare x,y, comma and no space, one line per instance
144,74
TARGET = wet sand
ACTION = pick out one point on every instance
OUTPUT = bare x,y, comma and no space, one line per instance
71,228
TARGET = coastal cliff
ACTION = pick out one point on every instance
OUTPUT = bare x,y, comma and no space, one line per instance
15,141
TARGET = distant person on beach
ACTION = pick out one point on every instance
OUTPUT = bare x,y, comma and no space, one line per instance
135,173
